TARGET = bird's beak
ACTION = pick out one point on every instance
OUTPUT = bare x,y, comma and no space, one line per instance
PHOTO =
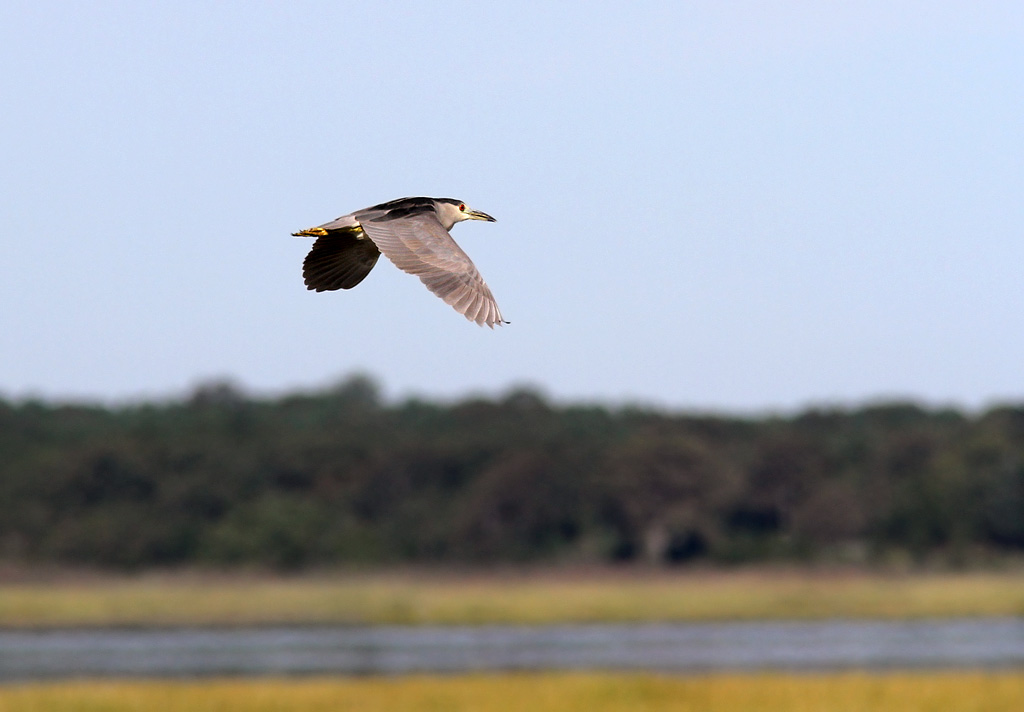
477,215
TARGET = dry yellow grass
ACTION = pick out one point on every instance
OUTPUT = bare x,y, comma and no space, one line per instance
536,597
856,692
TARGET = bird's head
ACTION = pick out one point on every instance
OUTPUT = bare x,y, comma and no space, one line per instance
451,211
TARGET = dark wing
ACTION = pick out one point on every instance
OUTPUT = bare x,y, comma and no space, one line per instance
339,260
419,244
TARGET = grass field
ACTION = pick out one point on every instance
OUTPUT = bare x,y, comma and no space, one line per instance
510,597
854,692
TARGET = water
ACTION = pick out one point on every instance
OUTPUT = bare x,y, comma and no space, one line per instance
684,647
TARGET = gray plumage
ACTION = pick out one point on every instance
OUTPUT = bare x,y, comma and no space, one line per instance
413,234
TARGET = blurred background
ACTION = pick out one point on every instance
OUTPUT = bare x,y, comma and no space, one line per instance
762,268
761,262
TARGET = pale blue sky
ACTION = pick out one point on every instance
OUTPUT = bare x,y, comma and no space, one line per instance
730,206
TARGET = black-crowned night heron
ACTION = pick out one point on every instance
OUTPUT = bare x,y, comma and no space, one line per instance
413,233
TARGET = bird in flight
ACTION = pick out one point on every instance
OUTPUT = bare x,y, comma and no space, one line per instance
412,233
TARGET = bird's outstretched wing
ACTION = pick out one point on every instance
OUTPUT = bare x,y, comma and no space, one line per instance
339,260
419,244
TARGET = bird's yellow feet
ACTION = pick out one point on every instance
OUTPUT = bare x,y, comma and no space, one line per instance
311,232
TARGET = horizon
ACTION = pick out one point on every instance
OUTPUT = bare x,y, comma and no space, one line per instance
388,398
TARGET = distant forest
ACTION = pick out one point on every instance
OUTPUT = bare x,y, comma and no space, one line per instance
343,477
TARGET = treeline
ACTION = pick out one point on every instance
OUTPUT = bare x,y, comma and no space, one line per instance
343,477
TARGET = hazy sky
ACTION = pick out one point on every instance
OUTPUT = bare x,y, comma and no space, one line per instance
720,205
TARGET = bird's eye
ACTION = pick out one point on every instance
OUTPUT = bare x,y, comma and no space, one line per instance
462,207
